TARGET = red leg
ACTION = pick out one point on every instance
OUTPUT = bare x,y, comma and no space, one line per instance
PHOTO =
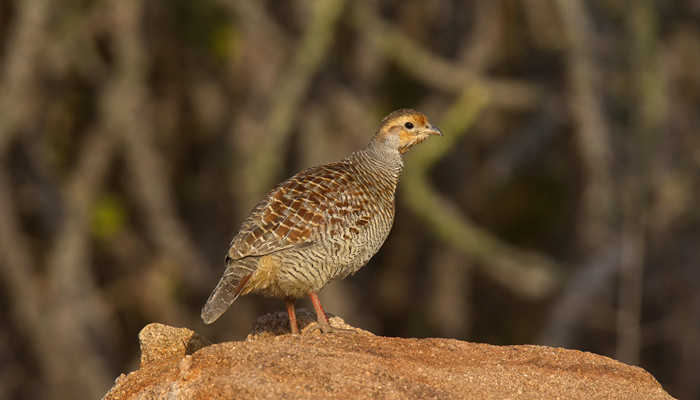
320,315
292,315
323,324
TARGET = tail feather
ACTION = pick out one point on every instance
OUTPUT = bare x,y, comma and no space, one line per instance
228,290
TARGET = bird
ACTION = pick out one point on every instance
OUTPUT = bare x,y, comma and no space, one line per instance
324,223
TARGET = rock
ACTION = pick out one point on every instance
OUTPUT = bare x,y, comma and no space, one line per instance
276,324
161,342
361,365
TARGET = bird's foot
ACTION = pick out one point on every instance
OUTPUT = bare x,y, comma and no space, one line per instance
328,328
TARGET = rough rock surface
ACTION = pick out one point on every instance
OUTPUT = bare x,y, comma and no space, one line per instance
177,363
160,343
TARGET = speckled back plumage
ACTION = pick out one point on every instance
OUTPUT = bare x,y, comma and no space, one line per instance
323,223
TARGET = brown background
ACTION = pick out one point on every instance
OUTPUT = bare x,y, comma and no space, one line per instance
560,208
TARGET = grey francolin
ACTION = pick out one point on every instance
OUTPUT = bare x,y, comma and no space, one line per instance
323,223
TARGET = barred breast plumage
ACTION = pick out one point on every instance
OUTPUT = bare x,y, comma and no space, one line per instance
323,223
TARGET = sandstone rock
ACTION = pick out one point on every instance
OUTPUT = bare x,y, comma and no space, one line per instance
276,324
160,343
361,365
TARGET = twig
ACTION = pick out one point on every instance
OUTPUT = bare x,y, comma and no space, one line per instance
21,287
591,133
434,70
125,110
650,117
75,314
18,82
527,273
293,84
18,87
585,283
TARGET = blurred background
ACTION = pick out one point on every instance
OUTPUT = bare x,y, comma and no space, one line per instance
560,208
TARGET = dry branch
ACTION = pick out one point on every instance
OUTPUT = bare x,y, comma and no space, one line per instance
75,313
126,113
650,116
436,71
527,273
591,131
18,81
287,99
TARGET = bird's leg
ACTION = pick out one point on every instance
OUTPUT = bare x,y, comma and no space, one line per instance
292,315
323,324
320,315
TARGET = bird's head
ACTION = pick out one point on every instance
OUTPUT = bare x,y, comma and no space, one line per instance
405,128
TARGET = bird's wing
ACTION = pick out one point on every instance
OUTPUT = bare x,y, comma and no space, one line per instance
299,210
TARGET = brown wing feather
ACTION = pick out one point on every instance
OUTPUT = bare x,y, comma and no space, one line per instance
298,210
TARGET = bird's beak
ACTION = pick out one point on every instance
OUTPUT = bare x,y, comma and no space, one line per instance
433,130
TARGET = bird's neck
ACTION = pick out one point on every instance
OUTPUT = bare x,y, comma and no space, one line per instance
382,157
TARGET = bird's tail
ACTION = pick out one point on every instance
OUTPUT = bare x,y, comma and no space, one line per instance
229,288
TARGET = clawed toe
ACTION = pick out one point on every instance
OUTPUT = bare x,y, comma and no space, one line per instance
326,328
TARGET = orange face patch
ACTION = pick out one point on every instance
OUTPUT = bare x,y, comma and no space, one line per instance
406,137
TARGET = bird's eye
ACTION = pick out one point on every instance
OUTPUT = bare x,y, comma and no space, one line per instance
408,125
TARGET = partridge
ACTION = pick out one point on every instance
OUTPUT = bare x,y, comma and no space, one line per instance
322,224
